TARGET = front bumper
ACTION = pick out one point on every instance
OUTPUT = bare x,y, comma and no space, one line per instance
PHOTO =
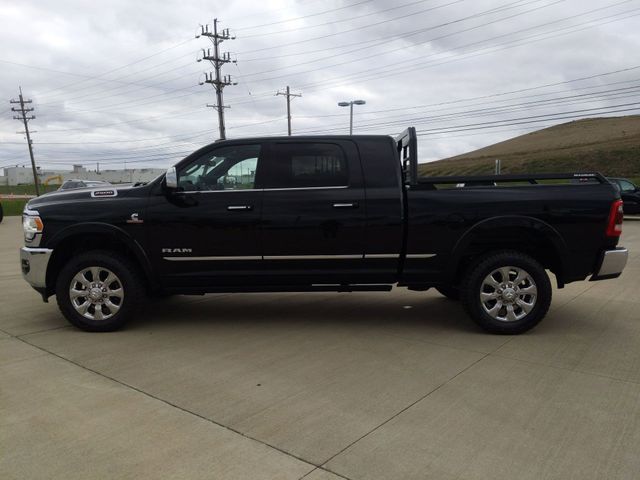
611,264
34,262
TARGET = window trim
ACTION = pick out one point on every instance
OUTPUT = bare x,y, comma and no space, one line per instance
328,187
220,191
338,187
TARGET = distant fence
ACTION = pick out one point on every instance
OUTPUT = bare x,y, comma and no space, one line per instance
10,196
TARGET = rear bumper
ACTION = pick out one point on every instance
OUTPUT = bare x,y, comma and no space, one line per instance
34,262
611,264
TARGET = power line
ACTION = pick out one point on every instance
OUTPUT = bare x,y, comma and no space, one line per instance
527,89
117,89
140,86
413,107
342,32
378,68
376,41
334,21
174,90
491,11
523,122
557,101
383,72
111,106
436,132
95,77
570,27
453,102
201,133
332,10
514,121
149,150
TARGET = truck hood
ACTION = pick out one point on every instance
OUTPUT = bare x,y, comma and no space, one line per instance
82,195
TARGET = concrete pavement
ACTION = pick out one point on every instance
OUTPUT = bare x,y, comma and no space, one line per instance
321,386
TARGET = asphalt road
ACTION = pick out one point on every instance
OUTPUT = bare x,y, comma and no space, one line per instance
395,385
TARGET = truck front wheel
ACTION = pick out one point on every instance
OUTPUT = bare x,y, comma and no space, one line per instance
99,291
507,293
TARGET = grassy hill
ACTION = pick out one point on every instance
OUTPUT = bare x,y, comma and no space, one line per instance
607,145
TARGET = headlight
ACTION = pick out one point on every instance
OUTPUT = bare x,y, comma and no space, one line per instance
31,225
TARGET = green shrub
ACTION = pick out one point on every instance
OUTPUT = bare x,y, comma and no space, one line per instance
13,207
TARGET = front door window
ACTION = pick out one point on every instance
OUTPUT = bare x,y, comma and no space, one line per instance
226,168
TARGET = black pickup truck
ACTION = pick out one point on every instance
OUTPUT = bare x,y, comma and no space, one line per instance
324,213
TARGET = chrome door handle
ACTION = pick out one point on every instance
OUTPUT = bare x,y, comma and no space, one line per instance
239,207
346,205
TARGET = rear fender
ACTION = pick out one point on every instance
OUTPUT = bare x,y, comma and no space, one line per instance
483,229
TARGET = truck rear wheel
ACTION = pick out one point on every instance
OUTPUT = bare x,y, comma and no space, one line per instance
99,291
507,293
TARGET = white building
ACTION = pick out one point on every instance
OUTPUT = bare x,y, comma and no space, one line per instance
23,175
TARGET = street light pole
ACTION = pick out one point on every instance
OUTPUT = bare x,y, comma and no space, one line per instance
350,105
350,118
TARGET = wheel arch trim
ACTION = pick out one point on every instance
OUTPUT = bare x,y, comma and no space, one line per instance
536,225
92,228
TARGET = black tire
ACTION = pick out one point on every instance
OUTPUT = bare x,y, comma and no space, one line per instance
1,213
451,293
474,284
127,276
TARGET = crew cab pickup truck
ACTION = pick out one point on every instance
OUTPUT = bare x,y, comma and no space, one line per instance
322,213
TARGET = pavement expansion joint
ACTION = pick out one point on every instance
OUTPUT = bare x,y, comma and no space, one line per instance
178,407
565,369
401,411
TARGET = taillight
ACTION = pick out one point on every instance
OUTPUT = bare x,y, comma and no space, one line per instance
614,226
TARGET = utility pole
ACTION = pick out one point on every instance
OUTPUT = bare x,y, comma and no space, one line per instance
498,166
22,115
287,93
216,78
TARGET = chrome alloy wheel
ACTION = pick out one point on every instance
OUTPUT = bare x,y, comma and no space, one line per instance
96,293
508,294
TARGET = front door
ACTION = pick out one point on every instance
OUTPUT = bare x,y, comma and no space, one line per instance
313,213
206,233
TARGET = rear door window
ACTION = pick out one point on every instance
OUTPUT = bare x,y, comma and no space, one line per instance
306,165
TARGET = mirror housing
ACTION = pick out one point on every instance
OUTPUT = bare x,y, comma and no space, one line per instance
171,178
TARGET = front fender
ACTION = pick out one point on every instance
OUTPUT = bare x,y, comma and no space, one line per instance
92,228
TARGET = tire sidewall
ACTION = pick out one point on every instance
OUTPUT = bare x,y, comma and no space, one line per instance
121,268
473,303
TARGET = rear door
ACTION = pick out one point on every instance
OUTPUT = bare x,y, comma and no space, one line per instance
313,212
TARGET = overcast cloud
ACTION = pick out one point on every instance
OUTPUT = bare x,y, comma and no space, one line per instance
445,66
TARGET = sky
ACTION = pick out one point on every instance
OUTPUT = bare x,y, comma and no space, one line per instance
117,82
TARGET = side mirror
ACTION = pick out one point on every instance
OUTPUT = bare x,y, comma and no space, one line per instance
171,178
